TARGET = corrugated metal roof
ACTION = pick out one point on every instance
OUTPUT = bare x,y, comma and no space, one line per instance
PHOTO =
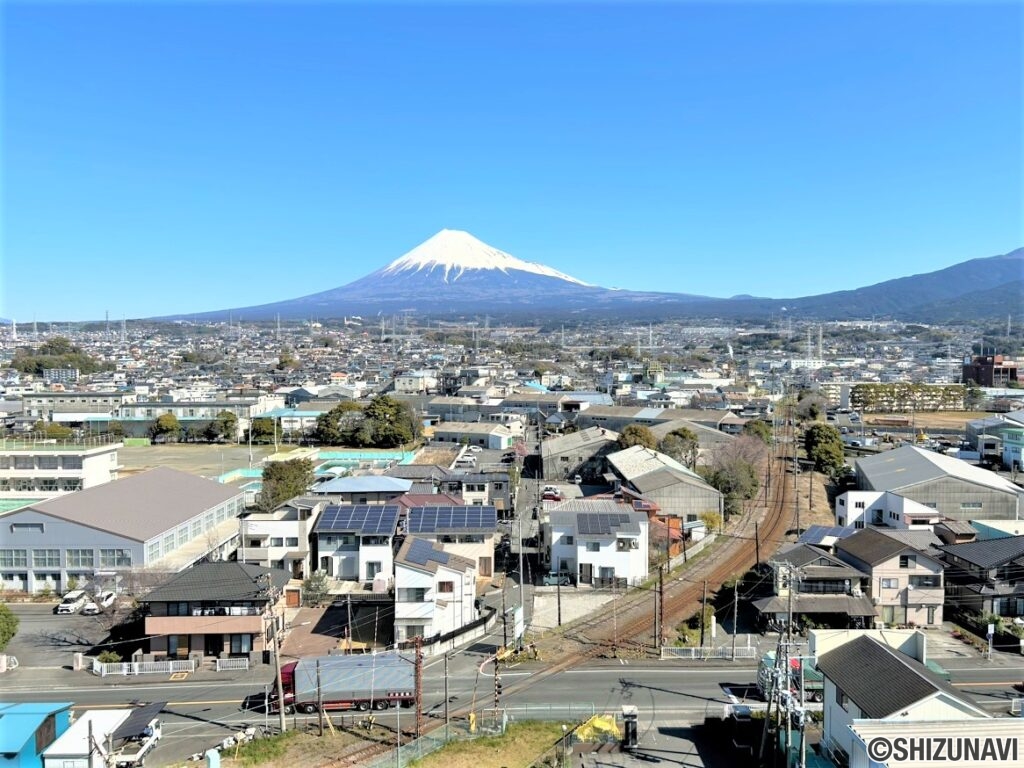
990,553
909,465
365,484
141,506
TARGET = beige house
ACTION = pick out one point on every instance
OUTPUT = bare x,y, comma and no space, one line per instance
905,584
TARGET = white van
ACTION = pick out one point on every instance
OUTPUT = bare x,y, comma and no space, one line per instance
468,460
73,601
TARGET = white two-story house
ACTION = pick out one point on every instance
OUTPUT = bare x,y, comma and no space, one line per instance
354,542
280,539
435,590
860,509
600,541
467,531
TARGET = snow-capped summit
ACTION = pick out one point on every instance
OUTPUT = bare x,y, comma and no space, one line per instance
456,252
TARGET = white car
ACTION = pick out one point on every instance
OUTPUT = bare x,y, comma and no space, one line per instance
73,601
106,598
475,448
90,609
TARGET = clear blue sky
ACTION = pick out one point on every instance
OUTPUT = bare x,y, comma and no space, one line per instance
191,156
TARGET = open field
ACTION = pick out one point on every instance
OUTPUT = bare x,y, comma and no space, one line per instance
199,459
945,420
522,745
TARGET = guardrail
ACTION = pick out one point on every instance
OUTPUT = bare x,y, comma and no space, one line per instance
703,654
230,664
128,668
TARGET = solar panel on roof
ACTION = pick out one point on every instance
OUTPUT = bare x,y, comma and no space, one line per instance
361,518
421,552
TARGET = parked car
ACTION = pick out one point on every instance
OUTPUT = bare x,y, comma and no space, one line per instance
73,601
475,448
559,579
552,496
91,609
577,479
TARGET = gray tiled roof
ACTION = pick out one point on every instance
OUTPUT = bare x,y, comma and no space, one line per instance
218,581
871,546
141,506
990,553
880,680
909,465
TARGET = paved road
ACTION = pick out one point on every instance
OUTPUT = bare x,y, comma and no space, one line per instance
670,695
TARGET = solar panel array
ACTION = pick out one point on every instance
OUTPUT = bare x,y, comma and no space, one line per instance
599,523
817,533
473,518
366,519
422,552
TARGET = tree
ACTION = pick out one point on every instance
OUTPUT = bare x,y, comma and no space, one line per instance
712,521
116,429
262,430
166,426
682,445
824,446
387,423
315,588
52,431
8,625
283,480
760,429
225,426
735,470
637,434
810,406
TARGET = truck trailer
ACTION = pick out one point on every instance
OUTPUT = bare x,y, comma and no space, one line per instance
359,681
813,681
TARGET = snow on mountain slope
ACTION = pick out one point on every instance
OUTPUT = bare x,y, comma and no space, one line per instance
456,252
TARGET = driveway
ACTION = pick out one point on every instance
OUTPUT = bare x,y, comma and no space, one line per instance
45,639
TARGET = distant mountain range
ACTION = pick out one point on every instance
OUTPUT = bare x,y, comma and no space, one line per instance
453,274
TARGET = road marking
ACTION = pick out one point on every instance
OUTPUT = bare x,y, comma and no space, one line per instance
123,705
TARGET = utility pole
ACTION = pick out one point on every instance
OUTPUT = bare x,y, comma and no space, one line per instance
319,699
661,605
757,541
735,611
558,593
446,694
277,653
703,612
419,686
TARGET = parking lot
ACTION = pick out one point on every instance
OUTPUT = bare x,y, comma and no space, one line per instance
46,639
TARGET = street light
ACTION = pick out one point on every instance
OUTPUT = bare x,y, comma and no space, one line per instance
565,732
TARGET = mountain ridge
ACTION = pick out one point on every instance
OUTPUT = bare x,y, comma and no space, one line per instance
453,273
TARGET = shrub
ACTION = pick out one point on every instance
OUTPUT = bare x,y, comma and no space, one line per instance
109,657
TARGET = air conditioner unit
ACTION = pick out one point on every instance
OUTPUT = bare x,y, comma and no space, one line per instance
875,601
910,587
634,544
620,544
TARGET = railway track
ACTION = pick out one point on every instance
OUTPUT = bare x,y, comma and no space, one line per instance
630,625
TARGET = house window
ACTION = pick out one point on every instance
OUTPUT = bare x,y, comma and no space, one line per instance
72,462
411,595
931,614
291,541
23,462
970,505
842,502
890,583
841,698
13,558
177,609
908,561
80,558
858,505
276,541
568,540
413,630
593,546
46,558
924,581
48,462
372,569
859,524
241,644
446,587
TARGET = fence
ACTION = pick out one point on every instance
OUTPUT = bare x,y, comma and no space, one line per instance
703,654
230,664
143,667
692,550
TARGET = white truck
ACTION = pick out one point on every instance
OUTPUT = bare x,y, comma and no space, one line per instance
136,737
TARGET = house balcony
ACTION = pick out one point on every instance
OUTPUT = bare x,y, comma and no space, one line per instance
922,596
203,625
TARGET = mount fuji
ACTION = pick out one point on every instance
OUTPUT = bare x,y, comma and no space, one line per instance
453,272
